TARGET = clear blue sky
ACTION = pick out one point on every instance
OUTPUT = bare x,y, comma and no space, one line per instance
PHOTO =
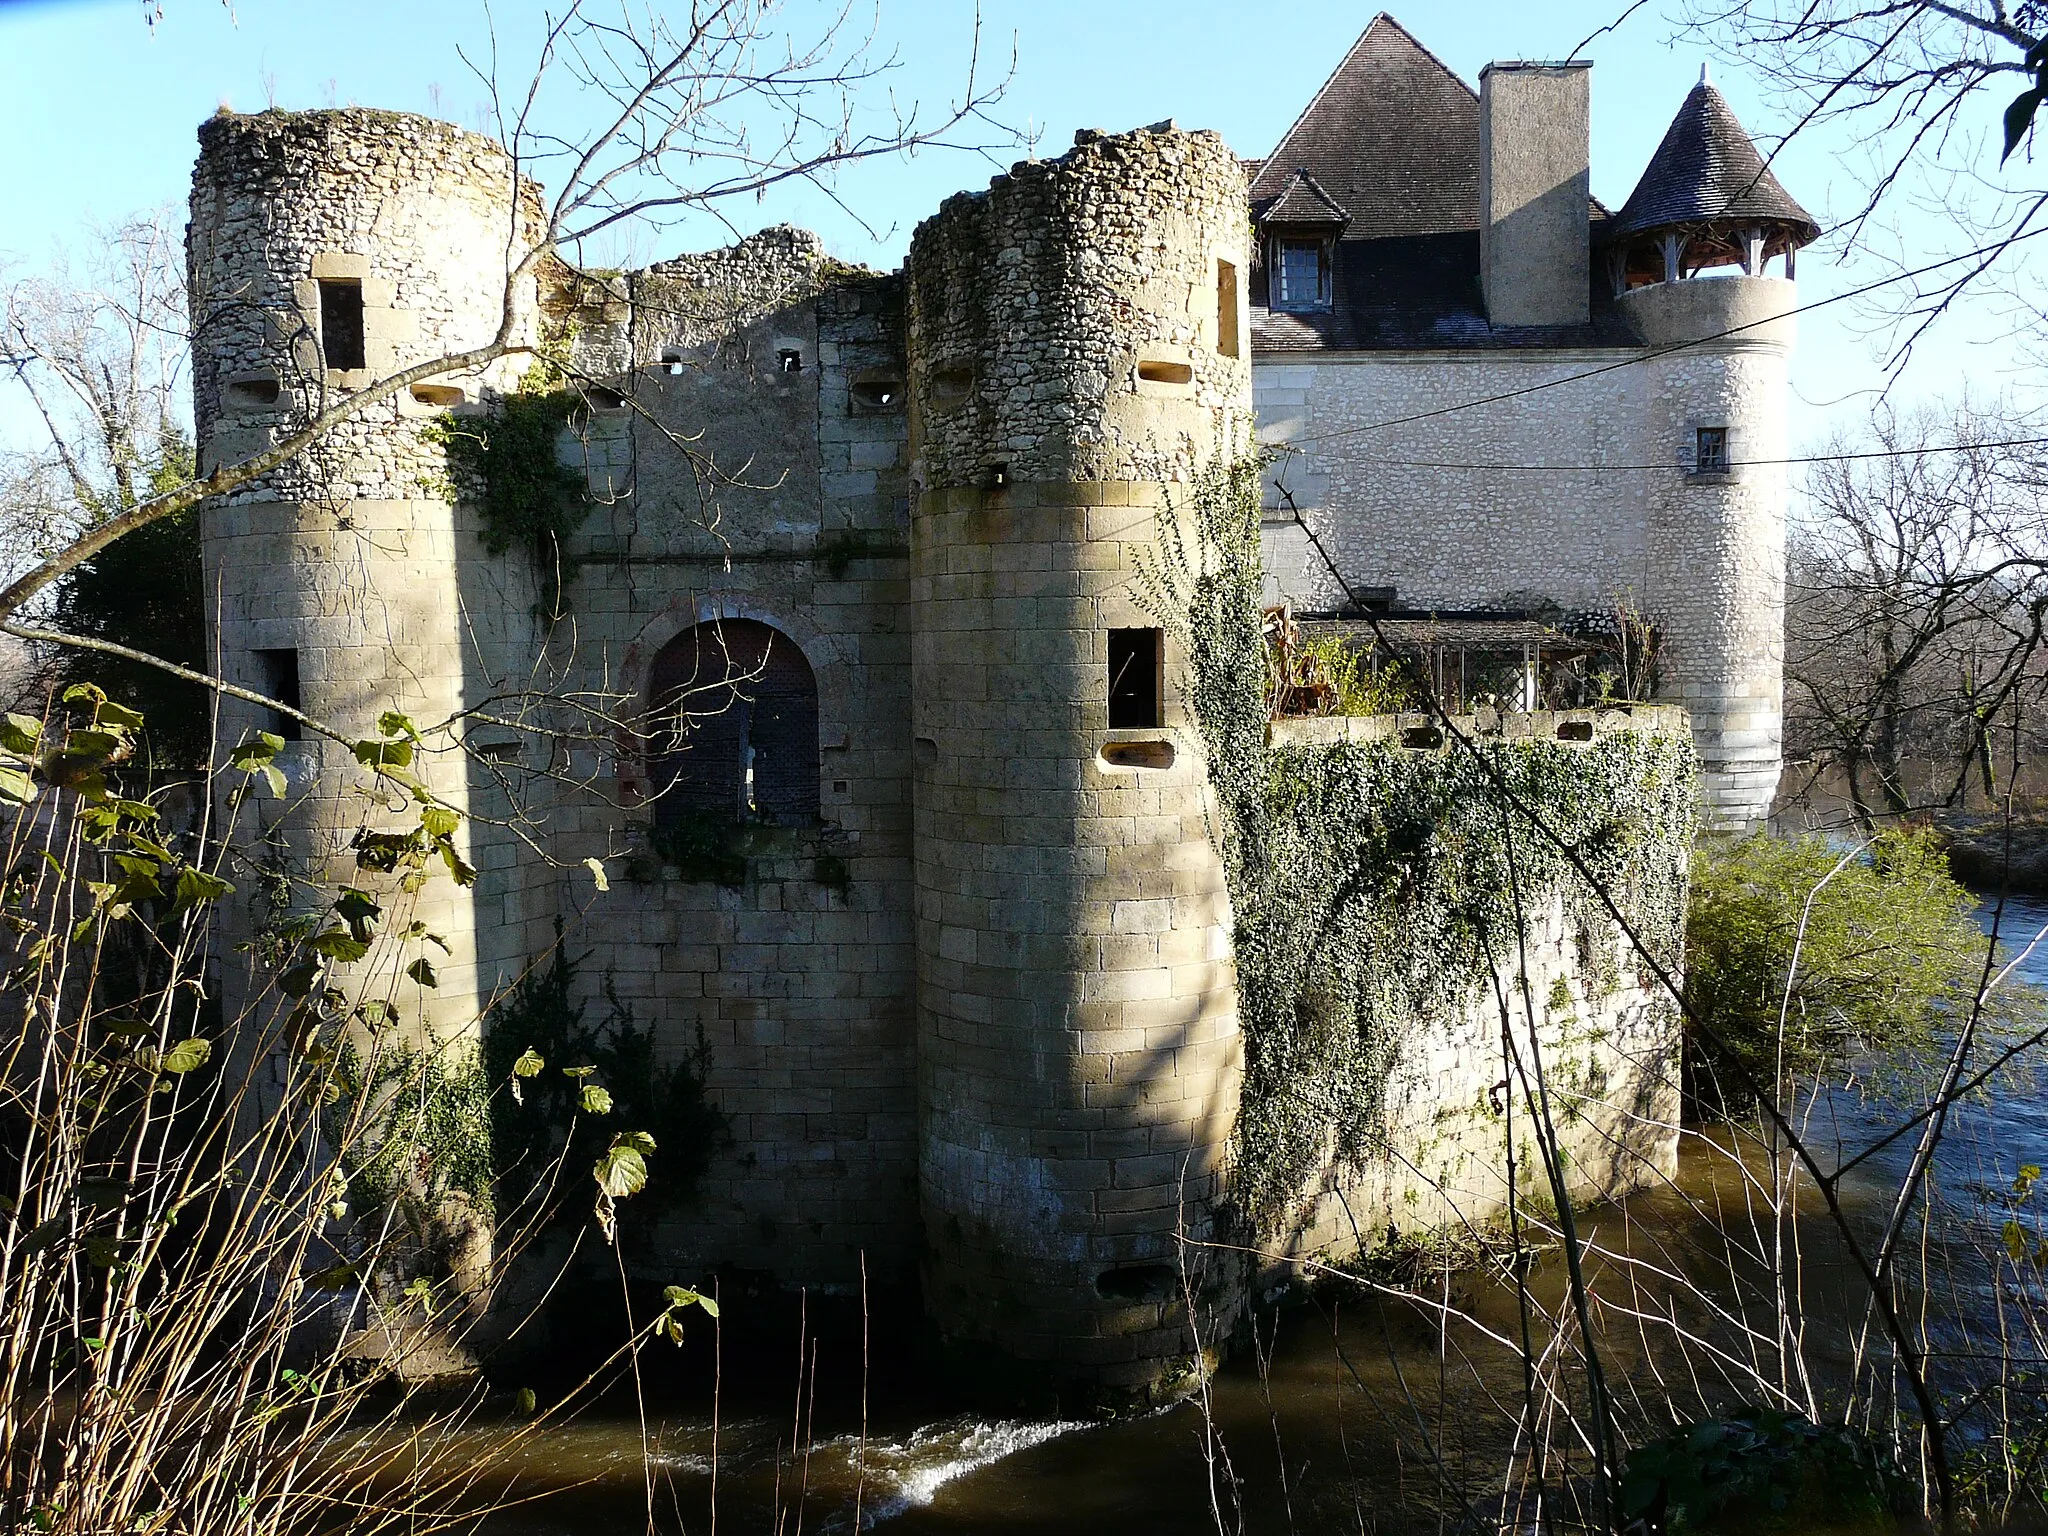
98,110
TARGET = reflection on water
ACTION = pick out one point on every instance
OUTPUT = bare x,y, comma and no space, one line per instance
1367,1417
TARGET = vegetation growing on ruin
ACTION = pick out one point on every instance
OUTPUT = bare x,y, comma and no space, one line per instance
507,459
577,1083
1376,887
429,1117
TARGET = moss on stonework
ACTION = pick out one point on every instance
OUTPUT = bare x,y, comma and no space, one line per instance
1379,889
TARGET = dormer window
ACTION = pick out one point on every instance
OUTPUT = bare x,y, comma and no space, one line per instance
1301,273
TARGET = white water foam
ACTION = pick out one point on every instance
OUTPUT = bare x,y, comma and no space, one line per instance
902,1475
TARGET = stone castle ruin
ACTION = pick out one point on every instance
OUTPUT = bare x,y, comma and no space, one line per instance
923,862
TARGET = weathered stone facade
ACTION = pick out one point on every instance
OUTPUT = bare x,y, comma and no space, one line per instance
971,1017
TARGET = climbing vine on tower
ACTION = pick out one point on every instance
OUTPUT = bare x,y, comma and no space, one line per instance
1374,886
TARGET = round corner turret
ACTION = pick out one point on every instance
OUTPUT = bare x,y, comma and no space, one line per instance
1722,311
1077,356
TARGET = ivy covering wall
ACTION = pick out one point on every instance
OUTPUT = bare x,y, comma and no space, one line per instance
1371,882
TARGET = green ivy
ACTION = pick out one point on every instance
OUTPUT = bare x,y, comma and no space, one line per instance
424,1130
1374,885
527,498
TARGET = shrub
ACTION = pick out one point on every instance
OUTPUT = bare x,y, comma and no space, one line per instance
1889,950
1757,1471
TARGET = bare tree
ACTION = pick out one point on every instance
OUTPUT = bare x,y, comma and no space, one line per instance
1913,86
688,113
1915,608
98,356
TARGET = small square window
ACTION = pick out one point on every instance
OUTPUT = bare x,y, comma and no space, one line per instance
789,360
277,677
1710,451
1134,679
341,322
1301,274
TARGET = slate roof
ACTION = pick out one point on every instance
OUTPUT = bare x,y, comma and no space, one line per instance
1392,138
1303,204
1707,169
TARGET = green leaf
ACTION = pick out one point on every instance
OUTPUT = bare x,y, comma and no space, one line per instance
196,886
187,1055
525,1403
299,980
118,717
439,821
359,910
274,777
596,868
458,867
16,786
85,693
579,1072
422,971
396,723
92,744
682,1296
20,733
251,755
2019,117
622,1171
384,754
529,1063
595,1101
339,944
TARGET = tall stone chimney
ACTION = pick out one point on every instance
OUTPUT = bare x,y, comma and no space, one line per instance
1534,265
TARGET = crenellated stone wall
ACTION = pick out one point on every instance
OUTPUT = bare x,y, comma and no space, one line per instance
980,1015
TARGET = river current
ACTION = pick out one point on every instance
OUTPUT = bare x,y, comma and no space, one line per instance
1355,1413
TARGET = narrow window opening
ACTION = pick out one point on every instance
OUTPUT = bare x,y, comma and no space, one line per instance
1134,679
998,476
277,677
1226,308
1158,371
878,394
1710,451
672,361
789,360
1138,754
1575,730
951,387
341,322
1422,737
254,392
1138,1282
442,397
602,399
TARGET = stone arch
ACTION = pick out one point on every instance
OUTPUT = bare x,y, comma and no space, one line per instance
733,712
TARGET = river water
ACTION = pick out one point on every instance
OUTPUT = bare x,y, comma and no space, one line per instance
1355,1414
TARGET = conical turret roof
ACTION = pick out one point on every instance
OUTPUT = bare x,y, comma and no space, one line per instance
1707,170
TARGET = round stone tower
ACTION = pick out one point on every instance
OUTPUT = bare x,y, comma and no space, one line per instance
1716,584
1077,352
327,250
1716,394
